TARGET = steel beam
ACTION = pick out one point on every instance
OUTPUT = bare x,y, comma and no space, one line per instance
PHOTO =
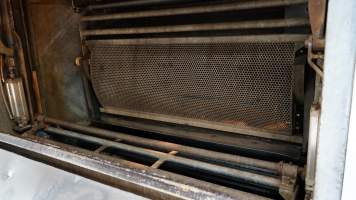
206,40
258,24
232,6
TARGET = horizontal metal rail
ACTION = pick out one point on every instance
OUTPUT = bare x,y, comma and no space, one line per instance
239,174
271,149
167,146
258,24
129,3
234,6
203,124
204,40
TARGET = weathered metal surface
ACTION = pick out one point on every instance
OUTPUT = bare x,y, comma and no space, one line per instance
5,50
313,60
129,176
156,42
37,93
261,24
5,123
273,150
25,179
167,146
6,24
2,89
58,100
317,17
227,6
239,174
55,36
288,173
52,2
129,3
245,130
228,86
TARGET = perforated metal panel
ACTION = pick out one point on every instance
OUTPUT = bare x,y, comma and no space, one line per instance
237,84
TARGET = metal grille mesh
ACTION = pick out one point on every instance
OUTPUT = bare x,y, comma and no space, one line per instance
238,84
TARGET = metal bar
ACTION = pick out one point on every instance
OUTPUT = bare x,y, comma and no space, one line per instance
312,64
272,149
242,175
37,93
200,40
102,148
312,147
258,24
169,146
234,6
317,16
128,3
133,177
203,123
159,162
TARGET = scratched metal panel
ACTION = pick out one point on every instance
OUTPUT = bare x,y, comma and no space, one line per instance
55,37
25,179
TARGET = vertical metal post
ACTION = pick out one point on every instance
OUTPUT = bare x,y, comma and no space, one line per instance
340,58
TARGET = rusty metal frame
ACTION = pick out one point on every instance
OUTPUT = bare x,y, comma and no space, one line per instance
169,147
274,150
235,173
287,173
89,16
